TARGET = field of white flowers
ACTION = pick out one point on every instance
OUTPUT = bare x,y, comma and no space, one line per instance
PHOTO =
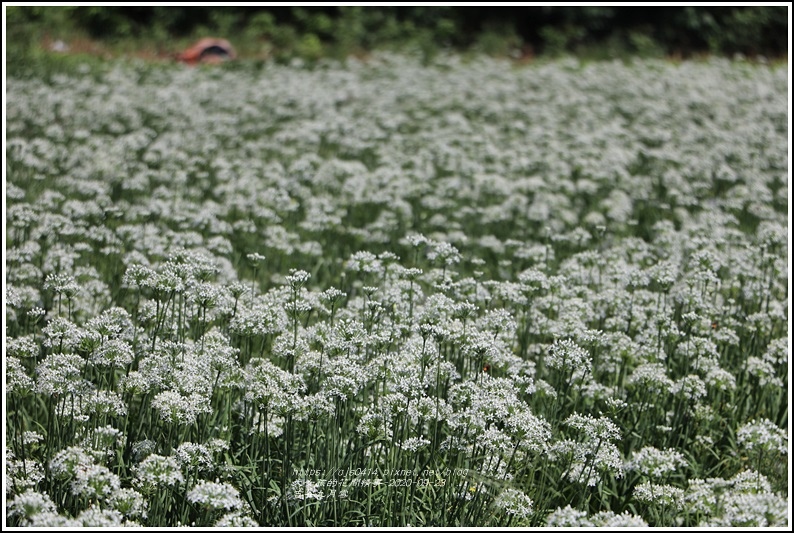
381,293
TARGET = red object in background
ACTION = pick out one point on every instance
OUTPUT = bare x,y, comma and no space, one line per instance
208,50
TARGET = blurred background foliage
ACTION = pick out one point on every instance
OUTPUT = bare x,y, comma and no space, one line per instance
520,32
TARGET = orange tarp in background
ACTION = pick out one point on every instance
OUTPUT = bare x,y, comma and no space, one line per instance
208,50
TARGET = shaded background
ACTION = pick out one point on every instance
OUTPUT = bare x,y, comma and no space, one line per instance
313,32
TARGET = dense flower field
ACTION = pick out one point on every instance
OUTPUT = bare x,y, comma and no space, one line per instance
389,294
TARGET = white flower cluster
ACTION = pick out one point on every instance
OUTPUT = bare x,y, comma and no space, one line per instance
514,503
215,496
763,435
655,463
158,471
745,500
573,518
